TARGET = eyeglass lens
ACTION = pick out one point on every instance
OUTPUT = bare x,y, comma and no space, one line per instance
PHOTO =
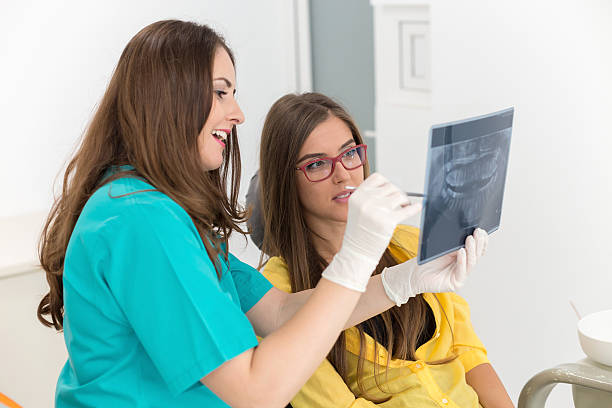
351,159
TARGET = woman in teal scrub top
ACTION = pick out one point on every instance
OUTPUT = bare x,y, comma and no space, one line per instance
155,310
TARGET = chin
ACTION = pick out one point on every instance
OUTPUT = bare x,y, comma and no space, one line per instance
211,165
340,217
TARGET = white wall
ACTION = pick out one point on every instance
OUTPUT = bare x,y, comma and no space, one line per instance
56,60
58,56
552,60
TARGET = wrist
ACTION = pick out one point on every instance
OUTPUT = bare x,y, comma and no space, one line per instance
397,288
370,245
350,269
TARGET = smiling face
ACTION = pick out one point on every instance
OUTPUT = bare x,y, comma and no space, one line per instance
327,201
224,113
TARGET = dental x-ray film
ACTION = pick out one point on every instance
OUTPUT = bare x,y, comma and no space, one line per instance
464,183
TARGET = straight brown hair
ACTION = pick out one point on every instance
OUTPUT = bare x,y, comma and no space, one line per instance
287,126
150,116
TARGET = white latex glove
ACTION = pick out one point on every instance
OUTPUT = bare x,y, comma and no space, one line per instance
445,274
374,210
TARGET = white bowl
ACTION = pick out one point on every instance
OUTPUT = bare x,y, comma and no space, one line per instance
595,335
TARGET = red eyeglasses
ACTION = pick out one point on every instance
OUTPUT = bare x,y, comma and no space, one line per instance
322,168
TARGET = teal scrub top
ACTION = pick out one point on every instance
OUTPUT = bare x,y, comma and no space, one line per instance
146,316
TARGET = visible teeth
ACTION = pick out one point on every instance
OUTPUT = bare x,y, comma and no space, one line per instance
343,195
220,134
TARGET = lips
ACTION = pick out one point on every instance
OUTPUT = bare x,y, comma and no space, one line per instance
343,194
221,134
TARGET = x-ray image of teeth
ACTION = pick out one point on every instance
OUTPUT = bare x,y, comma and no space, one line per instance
466,173
471,175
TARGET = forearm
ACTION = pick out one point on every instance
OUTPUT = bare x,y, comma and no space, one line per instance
373,302
285,359
491,392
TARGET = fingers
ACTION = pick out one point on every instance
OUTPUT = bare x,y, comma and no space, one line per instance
392,196
486,241
461,269
388,190
482,238
408,211
444,261
397,199
470,249
377,185
374,180
475,246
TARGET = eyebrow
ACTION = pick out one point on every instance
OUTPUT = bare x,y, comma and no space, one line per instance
313,155
227,81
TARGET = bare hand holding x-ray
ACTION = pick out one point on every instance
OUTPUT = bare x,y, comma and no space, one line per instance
465,179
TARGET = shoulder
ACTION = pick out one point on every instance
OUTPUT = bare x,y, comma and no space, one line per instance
404,243
135,198
448,298
131,191
459,305
130,205
457,299
277,272
453,304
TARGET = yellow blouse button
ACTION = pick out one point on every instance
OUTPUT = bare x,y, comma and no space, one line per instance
417,365
444,401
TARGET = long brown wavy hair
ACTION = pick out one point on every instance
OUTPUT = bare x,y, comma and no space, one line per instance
150,116
287,126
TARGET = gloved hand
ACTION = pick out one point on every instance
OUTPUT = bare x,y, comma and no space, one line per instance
445,274
374,210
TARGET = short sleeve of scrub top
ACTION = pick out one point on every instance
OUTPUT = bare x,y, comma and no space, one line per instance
151,257
250,283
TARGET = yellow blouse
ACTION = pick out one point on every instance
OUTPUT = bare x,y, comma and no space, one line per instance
413,383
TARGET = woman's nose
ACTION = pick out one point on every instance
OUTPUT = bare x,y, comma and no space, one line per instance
236,115
340,173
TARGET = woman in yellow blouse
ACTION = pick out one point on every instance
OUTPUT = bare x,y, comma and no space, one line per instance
423,353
